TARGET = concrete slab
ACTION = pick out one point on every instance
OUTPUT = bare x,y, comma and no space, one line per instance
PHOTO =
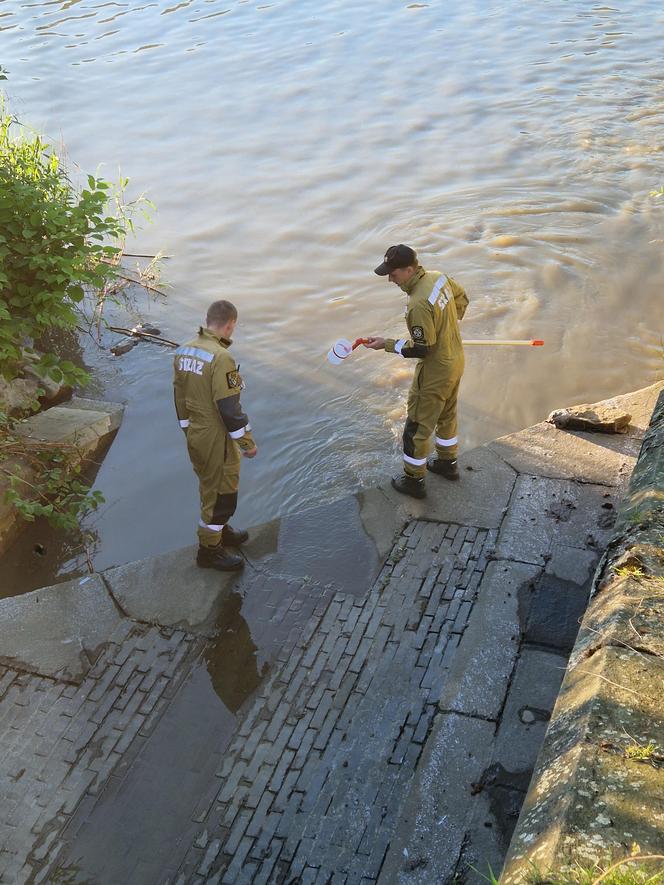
495,813
171,590
57,631
427,843
577,569
480,498
543,450
530,700
546,514
381,520
482,667
331,700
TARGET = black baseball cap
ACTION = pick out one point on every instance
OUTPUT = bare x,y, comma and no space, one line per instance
395,257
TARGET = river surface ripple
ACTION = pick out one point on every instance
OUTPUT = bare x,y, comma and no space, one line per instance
285,145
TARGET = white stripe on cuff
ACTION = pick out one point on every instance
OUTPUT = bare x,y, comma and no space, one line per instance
184,422
238,434
418,462
212,528
398,345
446,442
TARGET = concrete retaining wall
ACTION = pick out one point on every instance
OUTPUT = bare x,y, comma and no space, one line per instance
597,792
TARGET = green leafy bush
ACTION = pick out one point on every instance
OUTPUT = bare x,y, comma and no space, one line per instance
59,249
55,243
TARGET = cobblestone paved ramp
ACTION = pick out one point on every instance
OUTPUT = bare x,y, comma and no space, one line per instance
371,719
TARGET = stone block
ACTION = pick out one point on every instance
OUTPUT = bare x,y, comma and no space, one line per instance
597,418
75,423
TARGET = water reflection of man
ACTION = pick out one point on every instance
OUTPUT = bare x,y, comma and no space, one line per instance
231,660
435,305
207,387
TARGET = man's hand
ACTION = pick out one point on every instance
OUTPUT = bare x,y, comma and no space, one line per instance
250,453
375,343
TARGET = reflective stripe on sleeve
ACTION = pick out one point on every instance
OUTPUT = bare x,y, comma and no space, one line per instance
238,434
184,422
417,462
398,345
446,442
435,292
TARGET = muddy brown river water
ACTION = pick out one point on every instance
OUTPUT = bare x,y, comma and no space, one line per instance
285,145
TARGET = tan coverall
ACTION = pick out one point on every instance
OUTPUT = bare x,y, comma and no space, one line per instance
207,388
435,305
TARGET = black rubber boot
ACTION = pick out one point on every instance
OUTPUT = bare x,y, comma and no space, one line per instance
233,537
218,558
447,469
410,485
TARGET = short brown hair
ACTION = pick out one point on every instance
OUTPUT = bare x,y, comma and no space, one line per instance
220,312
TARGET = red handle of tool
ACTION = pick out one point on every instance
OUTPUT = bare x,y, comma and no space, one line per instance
359,341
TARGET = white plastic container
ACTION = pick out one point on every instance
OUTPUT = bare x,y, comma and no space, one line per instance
340,351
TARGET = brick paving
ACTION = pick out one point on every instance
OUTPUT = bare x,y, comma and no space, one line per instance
302,782
311,787
61,741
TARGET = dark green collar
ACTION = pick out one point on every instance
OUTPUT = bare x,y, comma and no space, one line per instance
208,333
410,284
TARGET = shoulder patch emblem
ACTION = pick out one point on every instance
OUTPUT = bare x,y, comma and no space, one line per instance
418,333
234,380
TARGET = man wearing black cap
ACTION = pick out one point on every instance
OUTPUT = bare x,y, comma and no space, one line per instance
435,305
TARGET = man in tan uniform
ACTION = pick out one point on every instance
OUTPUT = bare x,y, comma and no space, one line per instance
207,387
435,305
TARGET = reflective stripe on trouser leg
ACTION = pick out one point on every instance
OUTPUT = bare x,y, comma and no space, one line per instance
446,427
219,479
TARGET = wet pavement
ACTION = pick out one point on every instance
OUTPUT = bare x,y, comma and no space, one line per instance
371,717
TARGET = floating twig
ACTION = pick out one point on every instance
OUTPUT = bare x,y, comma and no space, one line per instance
139,333
138,255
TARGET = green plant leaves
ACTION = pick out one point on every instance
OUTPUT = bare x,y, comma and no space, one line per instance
55,246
